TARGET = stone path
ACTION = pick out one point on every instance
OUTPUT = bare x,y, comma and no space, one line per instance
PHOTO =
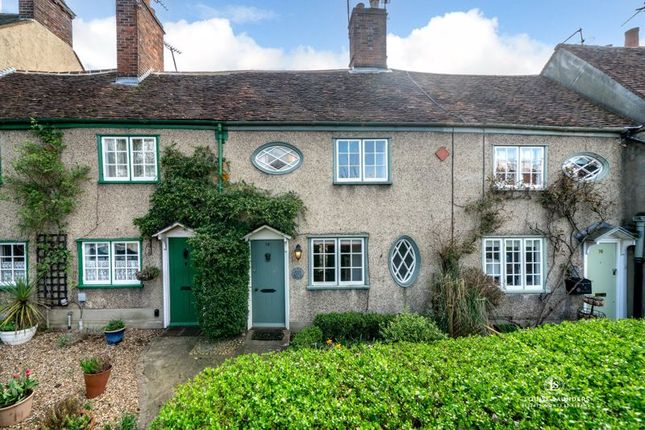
175,358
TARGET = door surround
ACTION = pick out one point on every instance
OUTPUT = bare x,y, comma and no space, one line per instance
623,240
176,230
269,233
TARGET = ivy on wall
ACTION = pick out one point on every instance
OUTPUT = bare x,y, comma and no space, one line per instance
188,194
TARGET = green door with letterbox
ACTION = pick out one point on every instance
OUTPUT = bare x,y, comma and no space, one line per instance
183,311
268,283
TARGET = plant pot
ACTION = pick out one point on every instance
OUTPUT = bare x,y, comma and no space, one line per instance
19,337
95,383
114,337
16,413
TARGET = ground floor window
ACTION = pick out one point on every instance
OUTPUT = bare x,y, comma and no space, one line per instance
13,262
107,263
338,261
516,263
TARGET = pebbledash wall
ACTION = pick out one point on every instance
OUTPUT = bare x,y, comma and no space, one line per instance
424,201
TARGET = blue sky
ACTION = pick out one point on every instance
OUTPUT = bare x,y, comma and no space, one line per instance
320,26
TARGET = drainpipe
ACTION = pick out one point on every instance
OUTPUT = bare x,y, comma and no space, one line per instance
639,220
221,135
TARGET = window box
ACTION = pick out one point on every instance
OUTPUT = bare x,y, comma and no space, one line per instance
517,264
338,263
362,161
109,263
519,167
128,159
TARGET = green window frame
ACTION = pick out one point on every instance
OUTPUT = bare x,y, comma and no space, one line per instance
9,256
128,159
362,161
100,262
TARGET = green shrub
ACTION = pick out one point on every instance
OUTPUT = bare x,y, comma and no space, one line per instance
308,337
128,421
351,326
574,375
114,325
94,365
409,327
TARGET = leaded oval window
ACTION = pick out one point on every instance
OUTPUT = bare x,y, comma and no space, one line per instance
405,261
277,158
586,167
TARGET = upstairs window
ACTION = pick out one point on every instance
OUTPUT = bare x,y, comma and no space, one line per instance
129,159
586,167
362,161
519,167
277,158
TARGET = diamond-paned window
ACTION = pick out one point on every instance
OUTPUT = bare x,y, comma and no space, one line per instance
277,158
404,261
586,167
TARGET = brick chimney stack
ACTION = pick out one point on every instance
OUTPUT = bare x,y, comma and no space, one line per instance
368,37
139,39
55,15
632,38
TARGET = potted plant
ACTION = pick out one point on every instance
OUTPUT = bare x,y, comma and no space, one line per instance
114,332
69,414
16,398
149,273
96,371
21,314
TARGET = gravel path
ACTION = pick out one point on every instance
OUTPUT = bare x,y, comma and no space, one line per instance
58,372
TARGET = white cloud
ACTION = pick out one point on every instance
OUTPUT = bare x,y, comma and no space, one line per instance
95,42
236,13
457,42
466,42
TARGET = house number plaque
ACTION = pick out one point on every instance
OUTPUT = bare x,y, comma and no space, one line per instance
297,273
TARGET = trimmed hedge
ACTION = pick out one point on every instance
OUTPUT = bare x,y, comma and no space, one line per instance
351,326
587,374
308,337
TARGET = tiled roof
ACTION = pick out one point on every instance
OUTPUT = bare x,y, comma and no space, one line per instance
334,96
624,65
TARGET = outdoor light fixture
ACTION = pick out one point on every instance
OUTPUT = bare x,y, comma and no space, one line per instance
297,253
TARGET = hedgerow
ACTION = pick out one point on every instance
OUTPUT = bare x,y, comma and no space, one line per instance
575,375
351,326
188,194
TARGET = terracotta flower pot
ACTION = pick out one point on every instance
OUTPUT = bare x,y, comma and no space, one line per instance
17,412
95,383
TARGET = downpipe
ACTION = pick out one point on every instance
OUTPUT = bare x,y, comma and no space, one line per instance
639,220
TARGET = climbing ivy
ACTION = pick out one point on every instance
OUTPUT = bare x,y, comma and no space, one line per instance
188,194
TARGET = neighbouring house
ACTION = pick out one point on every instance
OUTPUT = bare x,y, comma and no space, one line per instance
38,38
385,161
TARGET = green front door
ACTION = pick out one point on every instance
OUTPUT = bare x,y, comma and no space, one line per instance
601,270
182,300
267,283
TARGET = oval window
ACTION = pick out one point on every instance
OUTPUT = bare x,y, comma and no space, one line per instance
586,167
405,261
277,158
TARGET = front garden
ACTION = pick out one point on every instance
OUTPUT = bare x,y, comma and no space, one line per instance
587,374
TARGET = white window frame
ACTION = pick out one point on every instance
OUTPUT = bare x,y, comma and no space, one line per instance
13,263
337,242
361,160
111,263
83,266
130,157
519,182
524,287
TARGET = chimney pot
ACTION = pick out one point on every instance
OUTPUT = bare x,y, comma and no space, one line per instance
632,38
375,3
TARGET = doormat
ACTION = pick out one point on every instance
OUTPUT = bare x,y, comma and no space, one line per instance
268,335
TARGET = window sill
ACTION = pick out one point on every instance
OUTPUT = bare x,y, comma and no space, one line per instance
362,183
104,182
337,287
88,287
527,291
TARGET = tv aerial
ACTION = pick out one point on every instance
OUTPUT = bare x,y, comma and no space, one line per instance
578,31
162,3
638,10
172,50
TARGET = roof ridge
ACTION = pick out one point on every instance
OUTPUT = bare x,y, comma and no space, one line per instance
71,73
